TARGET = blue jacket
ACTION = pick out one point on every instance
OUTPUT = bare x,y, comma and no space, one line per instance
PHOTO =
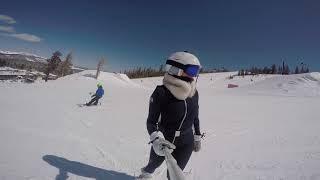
99,92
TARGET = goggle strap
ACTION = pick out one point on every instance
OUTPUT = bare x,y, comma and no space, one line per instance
176,64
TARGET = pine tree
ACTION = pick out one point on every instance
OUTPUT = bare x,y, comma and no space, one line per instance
161,68
296,71
307,70
280,70
287,70
273,69
53,63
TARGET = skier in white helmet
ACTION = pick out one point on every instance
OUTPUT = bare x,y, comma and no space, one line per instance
173,113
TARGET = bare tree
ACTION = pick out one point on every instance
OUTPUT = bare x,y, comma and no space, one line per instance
273,69
100,66
65,66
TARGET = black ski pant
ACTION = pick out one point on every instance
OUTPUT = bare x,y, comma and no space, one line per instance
93,101
182,153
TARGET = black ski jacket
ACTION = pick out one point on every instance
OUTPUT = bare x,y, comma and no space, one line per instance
172,112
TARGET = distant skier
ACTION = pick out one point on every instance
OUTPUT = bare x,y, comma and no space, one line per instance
173,113
95,97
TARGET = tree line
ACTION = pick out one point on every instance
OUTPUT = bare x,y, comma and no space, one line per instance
143,72
274,69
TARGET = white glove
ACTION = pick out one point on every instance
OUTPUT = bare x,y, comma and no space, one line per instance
197,143
159,143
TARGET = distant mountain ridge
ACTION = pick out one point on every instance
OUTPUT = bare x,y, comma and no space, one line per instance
22,56
23,60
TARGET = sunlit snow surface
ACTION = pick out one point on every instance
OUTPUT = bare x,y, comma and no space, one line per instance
267,129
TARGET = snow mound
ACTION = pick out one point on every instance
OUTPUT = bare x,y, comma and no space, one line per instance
315,76
105,78
123,77
307,85
220,81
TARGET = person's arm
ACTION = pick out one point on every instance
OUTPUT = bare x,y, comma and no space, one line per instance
154,111
95,94
196,120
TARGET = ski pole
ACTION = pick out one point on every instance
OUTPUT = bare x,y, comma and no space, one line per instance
175,172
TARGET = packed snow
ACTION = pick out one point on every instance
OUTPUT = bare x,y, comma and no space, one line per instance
266,129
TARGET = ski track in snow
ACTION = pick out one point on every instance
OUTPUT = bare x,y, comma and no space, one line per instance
268,128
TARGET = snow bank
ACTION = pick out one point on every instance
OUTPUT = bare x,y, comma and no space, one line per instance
105,78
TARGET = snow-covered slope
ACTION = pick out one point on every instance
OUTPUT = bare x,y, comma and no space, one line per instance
256,131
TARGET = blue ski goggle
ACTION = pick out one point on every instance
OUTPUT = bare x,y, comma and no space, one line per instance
176,68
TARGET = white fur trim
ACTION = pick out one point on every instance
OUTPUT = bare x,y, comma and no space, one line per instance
179,88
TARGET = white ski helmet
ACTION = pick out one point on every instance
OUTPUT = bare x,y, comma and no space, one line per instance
186,62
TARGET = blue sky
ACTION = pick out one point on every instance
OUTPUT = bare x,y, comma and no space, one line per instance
225,33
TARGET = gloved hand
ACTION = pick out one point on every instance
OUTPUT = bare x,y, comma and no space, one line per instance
159,143
197,143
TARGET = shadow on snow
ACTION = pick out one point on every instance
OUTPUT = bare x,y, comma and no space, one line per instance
66,166
90,76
